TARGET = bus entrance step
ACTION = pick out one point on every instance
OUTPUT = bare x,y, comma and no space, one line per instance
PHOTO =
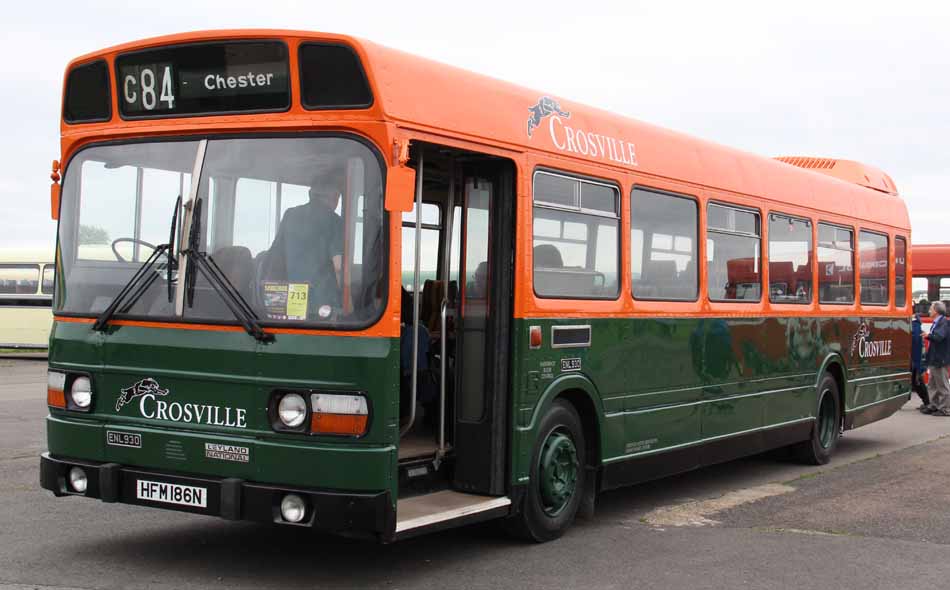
445,509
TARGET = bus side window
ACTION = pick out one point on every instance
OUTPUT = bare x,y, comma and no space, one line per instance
576,238
663,245
872,250
733,254
790,259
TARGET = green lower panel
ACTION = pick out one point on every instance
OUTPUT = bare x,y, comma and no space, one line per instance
661,428
665,383
192,395
735,414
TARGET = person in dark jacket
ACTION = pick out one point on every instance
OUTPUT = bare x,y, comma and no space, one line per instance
938,358
916,360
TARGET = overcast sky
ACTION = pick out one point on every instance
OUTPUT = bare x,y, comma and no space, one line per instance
859,80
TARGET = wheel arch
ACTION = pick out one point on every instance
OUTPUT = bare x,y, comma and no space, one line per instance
834,365
582,394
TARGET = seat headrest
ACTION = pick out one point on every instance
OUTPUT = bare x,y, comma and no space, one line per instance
547,256
661,270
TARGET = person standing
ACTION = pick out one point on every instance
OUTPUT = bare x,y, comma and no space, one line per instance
938,358
308,247
916,358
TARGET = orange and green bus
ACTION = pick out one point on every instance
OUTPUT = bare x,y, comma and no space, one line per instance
304,279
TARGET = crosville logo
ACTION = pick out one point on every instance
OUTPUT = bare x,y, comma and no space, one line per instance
865,347
577,140
147,386
546,106
147,391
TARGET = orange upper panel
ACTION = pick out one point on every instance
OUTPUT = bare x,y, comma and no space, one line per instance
931,259
424,95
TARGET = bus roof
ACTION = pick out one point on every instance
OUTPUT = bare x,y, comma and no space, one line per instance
419,93
930,259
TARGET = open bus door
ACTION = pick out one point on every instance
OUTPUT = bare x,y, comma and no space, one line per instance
484,325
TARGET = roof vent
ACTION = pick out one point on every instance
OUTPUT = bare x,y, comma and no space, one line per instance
847,170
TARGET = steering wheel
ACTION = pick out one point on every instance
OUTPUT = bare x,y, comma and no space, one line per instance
118,256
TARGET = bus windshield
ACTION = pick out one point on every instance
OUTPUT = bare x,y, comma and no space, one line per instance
295,224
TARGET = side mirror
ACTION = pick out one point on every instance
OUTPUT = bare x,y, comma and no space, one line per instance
54,191
400,189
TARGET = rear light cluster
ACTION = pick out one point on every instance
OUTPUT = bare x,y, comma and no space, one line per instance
69,391
329,413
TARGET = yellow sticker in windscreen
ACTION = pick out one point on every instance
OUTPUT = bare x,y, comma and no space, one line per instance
286,301
297,301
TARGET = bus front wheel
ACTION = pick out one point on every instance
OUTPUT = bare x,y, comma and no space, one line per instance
827,428
558,477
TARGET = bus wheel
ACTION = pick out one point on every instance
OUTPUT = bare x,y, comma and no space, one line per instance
558,477
827,429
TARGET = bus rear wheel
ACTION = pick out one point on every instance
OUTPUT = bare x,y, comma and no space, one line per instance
827,429
558,477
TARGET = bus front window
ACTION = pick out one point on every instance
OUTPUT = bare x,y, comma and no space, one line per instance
295,224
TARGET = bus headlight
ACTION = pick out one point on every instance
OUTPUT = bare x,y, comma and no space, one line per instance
292,410
77,480
81,392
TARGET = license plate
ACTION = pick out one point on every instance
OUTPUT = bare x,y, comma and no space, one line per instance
171,493
124,439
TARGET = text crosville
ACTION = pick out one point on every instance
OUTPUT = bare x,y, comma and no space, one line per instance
219,82
593,145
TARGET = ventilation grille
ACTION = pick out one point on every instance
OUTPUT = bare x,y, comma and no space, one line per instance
847,170
819,163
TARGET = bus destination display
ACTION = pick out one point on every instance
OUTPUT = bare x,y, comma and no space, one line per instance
204,78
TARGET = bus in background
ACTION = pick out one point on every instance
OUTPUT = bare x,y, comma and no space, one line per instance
342,287
931,278
26,298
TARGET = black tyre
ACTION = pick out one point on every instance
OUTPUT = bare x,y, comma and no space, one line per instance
827,428
558,477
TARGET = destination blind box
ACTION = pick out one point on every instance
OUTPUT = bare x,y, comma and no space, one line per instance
204,79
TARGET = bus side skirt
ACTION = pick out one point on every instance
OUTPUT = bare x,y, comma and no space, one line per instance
659,465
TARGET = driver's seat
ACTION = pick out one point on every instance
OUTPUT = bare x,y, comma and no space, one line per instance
238,265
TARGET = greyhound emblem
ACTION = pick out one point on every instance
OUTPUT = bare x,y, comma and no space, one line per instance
144,387
546,106
863,333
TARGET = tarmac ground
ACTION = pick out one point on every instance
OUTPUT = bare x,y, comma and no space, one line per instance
875,518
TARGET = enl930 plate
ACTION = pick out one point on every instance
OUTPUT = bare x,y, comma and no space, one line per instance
132,440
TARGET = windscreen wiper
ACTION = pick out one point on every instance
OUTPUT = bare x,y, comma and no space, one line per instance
135,281
201,262
136,285
170,268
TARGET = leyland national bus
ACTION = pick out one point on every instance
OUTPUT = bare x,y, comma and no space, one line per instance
605,302
26,297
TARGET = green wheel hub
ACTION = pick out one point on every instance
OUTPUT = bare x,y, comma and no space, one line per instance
827,420
558,469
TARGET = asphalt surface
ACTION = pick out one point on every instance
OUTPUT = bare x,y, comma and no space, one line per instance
875,518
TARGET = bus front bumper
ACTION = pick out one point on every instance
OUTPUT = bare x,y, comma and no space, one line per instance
348,513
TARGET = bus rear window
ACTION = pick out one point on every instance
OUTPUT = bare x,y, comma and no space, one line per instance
900,271
87,94
331,77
